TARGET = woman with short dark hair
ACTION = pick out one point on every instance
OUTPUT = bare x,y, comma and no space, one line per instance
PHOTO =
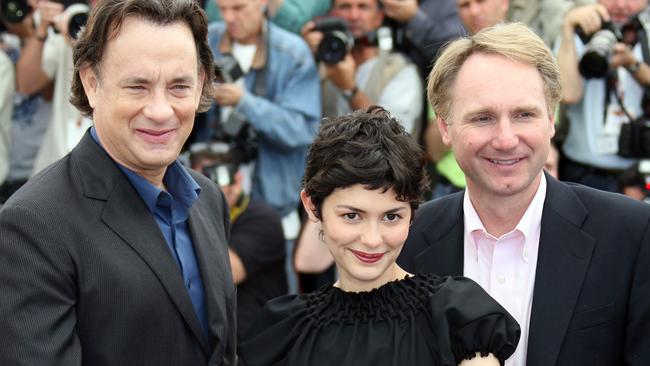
363,181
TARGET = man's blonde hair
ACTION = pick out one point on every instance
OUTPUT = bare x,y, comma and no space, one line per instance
514,41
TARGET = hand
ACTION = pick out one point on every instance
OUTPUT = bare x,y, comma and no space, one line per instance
401,10
622,56
49,12
312,37
589,18
227,94
342,74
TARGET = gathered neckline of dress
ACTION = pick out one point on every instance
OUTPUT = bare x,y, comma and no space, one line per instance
396,299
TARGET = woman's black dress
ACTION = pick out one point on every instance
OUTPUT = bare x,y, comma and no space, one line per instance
421,320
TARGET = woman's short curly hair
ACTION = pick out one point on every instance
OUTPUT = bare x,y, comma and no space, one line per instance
369,148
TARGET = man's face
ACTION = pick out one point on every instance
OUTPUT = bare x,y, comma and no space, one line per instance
146,94
243,18
622,10
362,16
479,14
499,126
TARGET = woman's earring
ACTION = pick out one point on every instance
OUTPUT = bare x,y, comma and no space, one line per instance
321,235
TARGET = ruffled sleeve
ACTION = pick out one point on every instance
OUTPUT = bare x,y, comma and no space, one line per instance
474,321
272,334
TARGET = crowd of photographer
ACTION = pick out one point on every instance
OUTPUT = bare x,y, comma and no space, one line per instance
282,65
37,35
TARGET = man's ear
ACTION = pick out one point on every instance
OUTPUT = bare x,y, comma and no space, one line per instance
552,120
90,82
310,208
443,127
200,85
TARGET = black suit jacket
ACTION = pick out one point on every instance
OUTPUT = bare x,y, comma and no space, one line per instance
591,300
86,277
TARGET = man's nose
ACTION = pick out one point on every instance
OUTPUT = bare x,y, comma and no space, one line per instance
158,107
474,9
506,137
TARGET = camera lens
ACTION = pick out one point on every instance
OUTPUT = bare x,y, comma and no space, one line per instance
595,62
78,18
333,48
14,11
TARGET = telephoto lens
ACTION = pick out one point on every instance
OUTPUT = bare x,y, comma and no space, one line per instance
14,11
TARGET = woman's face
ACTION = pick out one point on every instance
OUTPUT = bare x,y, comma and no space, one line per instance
364,230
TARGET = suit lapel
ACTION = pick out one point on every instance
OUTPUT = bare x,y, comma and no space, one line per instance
205,242
564,255
126,214
444,254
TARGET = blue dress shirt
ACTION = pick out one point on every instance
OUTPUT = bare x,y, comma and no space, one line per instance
170,209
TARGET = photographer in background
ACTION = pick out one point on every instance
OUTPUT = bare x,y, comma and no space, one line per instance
277,96
256,245
45,58
367,72
599,105
423,26
31,112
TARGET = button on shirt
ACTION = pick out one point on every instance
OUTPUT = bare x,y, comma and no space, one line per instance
505,266
170,209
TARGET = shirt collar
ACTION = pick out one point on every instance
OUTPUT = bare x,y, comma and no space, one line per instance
178,182
532,219
528,225
259,59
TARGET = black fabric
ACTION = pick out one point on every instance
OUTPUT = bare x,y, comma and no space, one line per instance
257,238
421,320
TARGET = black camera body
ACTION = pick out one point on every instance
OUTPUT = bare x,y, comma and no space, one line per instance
337,39
227,69
235,131
634,139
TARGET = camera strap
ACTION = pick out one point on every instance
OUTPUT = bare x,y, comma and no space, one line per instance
259,86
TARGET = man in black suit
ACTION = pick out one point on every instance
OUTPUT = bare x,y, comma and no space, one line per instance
116,254
571,264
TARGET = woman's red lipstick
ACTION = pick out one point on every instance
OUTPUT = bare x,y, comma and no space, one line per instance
367,257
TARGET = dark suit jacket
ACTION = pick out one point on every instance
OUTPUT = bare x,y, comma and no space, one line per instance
591,301
86,277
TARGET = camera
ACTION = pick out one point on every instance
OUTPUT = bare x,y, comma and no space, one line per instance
227,69
242,138
216,161
223,174
77,18
595,60
634,139
14,11
337,39
234,131
598,49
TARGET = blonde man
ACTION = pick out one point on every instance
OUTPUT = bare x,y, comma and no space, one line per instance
561,258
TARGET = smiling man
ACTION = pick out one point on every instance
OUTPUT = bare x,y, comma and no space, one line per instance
570,263
116,254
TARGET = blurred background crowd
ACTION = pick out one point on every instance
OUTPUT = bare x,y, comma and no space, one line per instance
283,65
